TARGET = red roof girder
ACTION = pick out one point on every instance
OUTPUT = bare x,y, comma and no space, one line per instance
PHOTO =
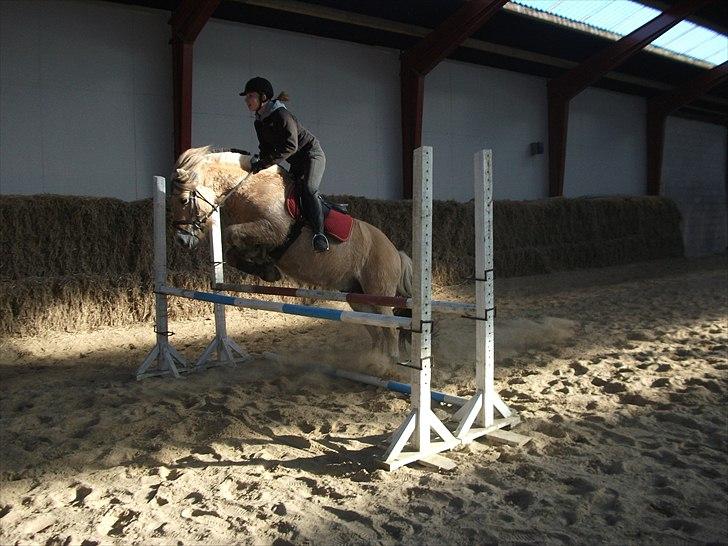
187,22
565,87
420,59
659,107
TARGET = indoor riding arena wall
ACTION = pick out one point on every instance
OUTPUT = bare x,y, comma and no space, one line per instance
79,263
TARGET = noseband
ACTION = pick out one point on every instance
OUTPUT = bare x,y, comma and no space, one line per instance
199,222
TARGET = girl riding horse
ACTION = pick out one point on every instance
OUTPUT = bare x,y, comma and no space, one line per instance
283,138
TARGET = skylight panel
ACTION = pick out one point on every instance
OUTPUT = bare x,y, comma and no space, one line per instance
621,17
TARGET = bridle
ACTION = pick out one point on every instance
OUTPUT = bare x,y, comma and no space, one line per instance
199,222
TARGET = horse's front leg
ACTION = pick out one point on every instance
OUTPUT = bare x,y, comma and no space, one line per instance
238,259
250,234
247,246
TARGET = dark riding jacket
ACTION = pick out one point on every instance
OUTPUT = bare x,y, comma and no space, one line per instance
283,138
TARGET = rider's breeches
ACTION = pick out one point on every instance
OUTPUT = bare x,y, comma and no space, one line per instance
310,173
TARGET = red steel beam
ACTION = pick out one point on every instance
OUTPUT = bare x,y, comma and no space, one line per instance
190,17
577,79
564,88
181,13
187,22
412,87
558,118
438,44
182,95
659,107
670,101
420,59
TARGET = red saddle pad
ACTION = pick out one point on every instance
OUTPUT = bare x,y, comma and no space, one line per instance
337,224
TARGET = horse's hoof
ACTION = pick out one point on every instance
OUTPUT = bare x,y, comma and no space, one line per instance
269,273
231,237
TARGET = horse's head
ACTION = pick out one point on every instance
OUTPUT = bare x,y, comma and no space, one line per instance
191,204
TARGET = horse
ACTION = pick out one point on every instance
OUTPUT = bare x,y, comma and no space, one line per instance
259,224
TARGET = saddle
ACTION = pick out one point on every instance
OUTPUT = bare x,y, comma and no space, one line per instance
337,222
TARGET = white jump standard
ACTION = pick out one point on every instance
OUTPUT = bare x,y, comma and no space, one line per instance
421,436
168,361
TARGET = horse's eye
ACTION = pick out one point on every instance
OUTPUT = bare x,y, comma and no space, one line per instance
185,201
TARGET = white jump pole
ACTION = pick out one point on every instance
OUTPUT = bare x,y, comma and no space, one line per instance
477,417
225,348
418,426
166,359
484,300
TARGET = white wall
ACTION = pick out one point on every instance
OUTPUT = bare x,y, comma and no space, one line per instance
606,148
468,108
85,98
694,176
86,108
346,94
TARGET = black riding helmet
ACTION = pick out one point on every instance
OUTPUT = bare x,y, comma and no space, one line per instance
259,85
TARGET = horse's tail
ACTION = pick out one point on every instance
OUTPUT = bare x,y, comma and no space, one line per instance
404,287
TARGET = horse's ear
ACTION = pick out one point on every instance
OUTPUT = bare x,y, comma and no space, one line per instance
184,179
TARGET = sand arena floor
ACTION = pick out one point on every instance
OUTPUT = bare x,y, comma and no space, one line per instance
620,375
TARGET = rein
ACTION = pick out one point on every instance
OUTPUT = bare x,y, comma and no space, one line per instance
199,223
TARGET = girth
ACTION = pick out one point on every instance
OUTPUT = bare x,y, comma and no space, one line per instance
293,233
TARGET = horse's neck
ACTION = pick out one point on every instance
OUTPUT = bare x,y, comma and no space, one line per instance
224,170
224,180
225,184
233,159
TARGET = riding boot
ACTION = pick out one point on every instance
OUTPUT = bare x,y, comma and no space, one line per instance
315,215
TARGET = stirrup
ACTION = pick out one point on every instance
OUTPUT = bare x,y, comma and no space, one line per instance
320,242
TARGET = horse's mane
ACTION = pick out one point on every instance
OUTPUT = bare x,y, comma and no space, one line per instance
191,158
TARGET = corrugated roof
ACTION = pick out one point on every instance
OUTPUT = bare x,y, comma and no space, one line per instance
620,17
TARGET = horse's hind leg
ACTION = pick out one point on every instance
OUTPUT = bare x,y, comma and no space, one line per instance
374,331
384,340
382,280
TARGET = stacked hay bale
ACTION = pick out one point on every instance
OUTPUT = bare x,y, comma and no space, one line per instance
73,263
533,237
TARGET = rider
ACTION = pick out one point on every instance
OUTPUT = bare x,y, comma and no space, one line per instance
283,138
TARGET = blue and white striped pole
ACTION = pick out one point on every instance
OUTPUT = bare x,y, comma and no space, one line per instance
354,317
396,386
451,307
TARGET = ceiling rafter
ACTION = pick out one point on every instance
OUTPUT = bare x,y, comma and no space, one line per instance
565,87
659,107
187,22
420,59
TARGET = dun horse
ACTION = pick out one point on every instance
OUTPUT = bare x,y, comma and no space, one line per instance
258,223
